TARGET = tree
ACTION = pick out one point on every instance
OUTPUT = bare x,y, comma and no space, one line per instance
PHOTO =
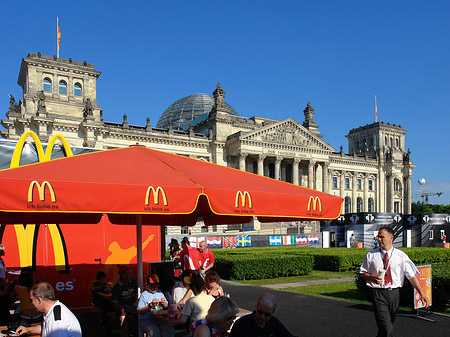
422,208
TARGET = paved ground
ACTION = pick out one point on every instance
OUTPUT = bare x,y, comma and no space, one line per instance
307,283
313,316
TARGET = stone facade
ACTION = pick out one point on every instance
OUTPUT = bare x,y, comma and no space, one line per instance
59,96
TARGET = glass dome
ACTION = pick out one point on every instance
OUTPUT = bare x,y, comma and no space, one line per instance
185,110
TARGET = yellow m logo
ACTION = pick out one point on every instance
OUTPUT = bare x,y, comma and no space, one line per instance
41,190
315,201
243,197
155,192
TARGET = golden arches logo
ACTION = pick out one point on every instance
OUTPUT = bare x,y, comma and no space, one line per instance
41,191
315,201
27,235
243,196
42,156
155,192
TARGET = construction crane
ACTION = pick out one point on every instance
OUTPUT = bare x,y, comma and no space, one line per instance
426,195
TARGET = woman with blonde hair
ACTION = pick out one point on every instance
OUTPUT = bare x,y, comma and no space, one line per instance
218,321
212,286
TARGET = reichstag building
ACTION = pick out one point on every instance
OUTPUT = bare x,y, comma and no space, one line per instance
373,175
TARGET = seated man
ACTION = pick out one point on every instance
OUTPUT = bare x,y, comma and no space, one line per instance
124,297
261,322
151,300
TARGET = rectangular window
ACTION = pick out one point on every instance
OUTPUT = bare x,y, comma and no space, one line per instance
184,230
204,229
359,184
335,182
431,237
370,185
347,183
214,228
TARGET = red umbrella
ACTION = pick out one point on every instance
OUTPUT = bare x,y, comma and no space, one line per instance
145,186
164,188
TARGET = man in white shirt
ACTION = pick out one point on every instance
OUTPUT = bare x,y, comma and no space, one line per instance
384,270
59,321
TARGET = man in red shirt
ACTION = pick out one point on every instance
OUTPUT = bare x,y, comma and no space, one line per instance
190,257
207,258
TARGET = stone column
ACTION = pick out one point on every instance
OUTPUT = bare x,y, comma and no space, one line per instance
366,193
354,193
325,178
407,195
381,207
342,184
295,171
278,160
55,85
242,157
261,158
311,174
391,193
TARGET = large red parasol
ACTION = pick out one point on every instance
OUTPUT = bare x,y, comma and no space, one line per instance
164,188
137,185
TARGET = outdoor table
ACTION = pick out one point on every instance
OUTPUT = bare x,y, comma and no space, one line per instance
3,328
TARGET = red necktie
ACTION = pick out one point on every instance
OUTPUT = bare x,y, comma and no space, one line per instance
387,276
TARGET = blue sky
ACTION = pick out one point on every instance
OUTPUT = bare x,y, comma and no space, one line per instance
271,58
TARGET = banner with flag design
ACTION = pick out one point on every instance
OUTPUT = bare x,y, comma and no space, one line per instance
244,241
214,242
275,240
229,241
195,240
313,239
301,240
288,240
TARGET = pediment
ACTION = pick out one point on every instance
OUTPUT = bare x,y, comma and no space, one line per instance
287,132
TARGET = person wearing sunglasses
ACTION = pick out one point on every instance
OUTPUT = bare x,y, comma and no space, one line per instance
218,321
58,319
261,322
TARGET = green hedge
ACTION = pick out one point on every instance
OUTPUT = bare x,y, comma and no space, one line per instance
251,267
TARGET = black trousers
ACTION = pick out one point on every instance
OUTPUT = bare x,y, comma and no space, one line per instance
385,304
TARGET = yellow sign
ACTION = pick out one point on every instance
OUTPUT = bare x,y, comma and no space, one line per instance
155,192
315,201
27,234
243,196
41,190
425,281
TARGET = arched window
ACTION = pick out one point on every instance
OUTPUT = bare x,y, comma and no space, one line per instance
397,185
359,205
371,206
348,205
47,85
77,90
385,140
392,141
62,87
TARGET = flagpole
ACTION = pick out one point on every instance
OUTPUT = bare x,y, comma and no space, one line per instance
57,37
376,111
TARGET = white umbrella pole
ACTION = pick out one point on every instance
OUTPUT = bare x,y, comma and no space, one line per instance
140,273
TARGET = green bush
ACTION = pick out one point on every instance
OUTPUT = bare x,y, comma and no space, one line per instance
251,267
